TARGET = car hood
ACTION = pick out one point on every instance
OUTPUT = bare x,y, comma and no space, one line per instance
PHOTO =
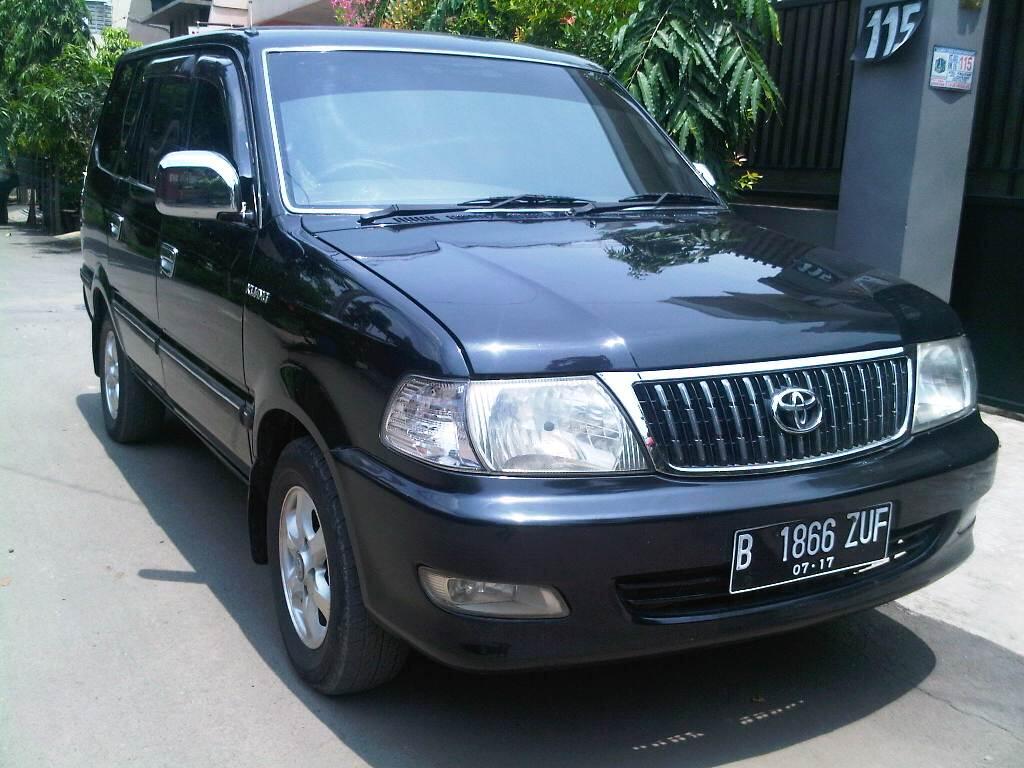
572,295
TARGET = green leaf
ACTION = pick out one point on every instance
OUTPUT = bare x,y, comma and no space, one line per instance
646,90
730,56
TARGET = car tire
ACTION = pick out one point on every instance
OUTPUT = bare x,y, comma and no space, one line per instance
131,413
340,650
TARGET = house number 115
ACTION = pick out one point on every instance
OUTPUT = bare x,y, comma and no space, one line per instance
888,28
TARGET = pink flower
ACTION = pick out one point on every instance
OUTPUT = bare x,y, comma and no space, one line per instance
355,13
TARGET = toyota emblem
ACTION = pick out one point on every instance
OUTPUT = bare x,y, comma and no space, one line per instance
796,410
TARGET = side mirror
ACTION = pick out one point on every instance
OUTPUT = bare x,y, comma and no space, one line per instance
706,174
198,185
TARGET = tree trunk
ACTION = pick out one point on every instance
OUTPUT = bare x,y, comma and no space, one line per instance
57,221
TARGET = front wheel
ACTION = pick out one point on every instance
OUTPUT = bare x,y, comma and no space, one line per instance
332,640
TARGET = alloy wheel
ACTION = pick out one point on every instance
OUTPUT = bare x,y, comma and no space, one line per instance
111,374
304,569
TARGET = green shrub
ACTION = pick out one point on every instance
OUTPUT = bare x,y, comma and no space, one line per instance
407,14
583,27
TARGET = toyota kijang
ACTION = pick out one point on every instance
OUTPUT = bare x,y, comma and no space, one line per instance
508,382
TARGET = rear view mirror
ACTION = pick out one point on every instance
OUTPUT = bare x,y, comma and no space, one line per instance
706,174
197,185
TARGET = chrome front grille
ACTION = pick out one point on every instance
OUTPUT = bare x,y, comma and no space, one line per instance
722,419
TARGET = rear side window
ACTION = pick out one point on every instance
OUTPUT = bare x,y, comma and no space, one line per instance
167,104
129,119
118,118
211,127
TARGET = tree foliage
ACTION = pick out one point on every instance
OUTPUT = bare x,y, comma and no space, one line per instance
36,31
33,32
583,27
58,103
407,14
359,13
697,66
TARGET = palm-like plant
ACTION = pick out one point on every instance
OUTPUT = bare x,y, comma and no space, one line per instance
697,67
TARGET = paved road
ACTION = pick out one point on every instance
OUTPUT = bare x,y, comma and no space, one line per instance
134,630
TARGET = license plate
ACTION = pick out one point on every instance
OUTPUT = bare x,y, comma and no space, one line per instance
776,554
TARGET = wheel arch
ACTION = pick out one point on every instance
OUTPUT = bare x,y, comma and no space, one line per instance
302,409
100,309
276,428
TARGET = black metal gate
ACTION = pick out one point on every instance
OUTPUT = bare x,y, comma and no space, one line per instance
988,279
800,150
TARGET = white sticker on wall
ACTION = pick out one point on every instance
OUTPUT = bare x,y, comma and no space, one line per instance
952,69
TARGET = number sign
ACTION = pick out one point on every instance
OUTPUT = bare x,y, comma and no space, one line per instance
888,27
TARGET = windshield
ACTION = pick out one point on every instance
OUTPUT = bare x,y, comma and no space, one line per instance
371,128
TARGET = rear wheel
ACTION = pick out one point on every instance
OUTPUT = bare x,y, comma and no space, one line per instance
332,640
131,412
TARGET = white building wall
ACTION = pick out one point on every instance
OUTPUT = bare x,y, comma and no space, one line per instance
292,12
129,14
126,15
230,13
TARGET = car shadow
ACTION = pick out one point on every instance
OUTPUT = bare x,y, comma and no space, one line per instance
706,707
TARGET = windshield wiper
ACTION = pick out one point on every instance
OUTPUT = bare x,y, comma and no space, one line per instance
483,203
576,206
647,200
527,201
407,210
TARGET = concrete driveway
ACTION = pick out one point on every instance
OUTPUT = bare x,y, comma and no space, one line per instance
134,629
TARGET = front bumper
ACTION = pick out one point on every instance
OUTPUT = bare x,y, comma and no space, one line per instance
596,540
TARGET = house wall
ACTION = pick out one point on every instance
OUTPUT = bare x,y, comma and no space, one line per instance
128,15
292,12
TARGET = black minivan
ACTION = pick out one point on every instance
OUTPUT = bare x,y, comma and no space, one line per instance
508,381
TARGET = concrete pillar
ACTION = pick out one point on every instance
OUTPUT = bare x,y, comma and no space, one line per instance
905,157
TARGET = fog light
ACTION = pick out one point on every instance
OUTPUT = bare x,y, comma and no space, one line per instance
490,598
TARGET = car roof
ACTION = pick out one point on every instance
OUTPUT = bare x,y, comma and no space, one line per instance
256,39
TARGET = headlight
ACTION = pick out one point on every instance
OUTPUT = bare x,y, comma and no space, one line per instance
946,382
513,426
550,425
426,419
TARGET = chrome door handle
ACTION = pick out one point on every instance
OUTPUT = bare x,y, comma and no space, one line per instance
168,253
116,220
